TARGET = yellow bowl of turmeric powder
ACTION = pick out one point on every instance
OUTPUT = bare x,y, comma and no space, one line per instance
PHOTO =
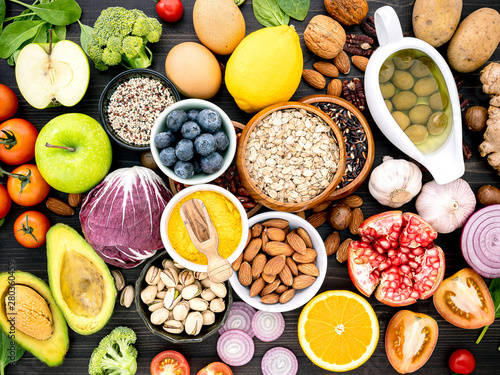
227,214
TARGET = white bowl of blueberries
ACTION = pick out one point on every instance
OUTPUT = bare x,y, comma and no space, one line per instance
193,141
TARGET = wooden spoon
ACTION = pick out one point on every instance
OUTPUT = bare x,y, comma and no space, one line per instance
205,239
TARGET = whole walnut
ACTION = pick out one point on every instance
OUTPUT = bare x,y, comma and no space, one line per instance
324,36
347,12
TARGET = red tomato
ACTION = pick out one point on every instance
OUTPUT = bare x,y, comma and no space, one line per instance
169,10
5,201
8,103
30,229
24,190
169,362
213,368
462,362
17,141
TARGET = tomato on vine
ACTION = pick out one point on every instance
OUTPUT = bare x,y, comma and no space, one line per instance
17,141
8,103
462,362
169,10
30,229
26,185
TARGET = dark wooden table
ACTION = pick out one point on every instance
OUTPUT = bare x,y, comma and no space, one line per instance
477,173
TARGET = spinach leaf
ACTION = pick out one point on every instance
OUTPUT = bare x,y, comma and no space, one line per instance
297,9
57,12
269,14
58,33
40,37
8,353
16,34
3,9
85,36
495,296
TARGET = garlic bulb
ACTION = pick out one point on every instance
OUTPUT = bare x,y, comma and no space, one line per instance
395,182
446,207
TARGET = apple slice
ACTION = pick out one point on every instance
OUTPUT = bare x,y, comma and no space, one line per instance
51,77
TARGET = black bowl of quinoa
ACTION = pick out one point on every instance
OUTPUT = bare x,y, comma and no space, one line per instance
130,104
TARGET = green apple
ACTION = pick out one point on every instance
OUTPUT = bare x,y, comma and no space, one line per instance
73,153
54,74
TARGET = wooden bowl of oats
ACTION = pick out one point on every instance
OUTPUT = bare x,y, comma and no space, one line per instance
290,156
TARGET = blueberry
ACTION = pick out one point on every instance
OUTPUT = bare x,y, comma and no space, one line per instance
167,156
164,139
192,114
197,166
190,130
209,120
175,119
184,150
211,163
205,144
221,141
184,169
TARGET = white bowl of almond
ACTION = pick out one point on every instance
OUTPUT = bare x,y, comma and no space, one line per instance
283,265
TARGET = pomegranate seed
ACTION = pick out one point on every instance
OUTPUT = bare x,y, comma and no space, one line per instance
380,258
359,252
413,264
434,272
391,277
411,256
366,259
358,261
384,266
369,252
432,252
428,282
418,251
376,273
396,262
405,269
389,295
373,263
427,288
405,250
418,270
393,284
374,256
385,244
397,298
391,253
407,281
404,258
415,294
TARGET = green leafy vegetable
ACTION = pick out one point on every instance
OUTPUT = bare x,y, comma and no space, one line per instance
9,351
269,14
16,34
60,33
85,36
297,9
2,13
495,295
57,12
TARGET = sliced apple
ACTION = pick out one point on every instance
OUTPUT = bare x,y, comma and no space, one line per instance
49,77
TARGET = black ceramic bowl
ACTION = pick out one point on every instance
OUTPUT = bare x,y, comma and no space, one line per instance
110,89
184,338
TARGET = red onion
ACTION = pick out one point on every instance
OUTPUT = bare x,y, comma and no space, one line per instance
238,318
279,361
268,326
235,347
244,306
481,241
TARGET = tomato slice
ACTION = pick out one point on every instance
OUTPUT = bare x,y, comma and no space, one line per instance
410,340
169,362
215,368
465,301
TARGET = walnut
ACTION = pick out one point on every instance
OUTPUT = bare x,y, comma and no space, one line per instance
324,36
347,12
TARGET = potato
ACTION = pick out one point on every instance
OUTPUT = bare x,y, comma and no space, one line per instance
435,21
487,195
475,40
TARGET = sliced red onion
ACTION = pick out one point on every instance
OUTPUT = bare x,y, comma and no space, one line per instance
268,326
279,361
245,306
235,347
481,241
238,318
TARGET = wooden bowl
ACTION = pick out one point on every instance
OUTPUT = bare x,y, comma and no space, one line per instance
365,171
252,188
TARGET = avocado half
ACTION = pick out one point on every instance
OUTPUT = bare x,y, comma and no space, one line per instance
50,351
80,281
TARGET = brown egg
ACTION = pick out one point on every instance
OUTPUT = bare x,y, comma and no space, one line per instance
194,70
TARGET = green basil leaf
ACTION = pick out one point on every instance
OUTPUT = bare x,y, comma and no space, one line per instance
57,12
10,351
3,9
16,34
85,36
269,14
297,9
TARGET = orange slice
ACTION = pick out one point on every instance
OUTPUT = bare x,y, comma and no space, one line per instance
338,330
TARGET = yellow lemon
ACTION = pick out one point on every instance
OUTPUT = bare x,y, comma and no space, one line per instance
265,68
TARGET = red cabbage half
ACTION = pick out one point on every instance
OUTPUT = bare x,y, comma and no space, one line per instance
120,217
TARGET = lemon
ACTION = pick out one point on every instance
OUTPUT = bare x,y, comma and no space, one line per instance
265,68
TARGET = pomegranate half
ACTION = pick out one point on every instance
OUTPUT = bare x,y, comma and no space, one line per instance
396,253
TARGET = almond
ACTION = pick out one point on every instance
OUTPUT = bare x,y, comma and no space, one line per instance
317,219
353,201
275,234
265,240
257,286
59,207
308,269
237,262
326,68
274,265
301,214
270,299
303,281
281,288
276,223
268,278
286,276
75,200
287,295
314,78
321,207
360,62
342,62
252,249
356,220
258,265
334,87
343,250
257,230
274,248
269,288
305,236
249,237
296,243
245,274
286,230
332,243
293,266
308,257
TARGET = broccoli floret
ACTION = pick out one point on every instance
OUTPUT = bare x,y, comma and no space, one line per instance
115,354
118,31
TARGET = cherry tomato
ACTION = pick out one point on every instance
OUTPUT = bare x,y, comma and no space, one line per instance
5,201
462,362
169,10
218,368
30,229
17,141
169,362
8,103
26,185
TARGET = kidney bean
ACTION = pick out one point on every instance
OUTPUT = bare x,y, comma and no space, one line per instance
218,181
249,204
243,199
233,187
243,191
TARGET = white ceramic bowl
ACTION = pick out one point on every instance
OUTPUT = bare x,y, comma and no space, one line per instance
302,296
227,127
180,196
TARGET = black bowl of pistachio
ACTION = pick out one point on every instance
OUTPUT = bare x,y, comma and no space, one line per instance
180,305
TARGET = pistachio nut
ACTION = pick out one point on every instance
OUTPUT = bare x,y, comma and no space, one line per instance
200,275
186,277
173,326
191,291
179,287
155,305
206,282
198,304
160,285
172,298
168,263
208,294
119,279
219,289
178,266
208,317
127,296
170,277
161,295
217,305
180,312
153,275
159,316
194,322
148,294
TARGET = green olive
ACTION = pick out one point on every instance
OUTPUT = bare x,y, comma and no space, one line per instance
420,113
437,123
389,105
404,100
417,133
404,59
422,67
402,119
402,80
438,101
388,90
386,71
425,86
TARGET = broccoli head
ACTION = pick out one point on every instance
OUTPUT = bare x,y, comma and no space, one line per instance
115,354
120,37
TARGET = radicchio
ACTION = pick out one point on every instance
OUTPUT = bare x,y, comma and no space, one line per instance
120,217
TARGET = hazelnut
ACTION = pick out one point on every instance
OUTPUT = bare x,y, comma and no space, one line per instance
339,216
475,118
